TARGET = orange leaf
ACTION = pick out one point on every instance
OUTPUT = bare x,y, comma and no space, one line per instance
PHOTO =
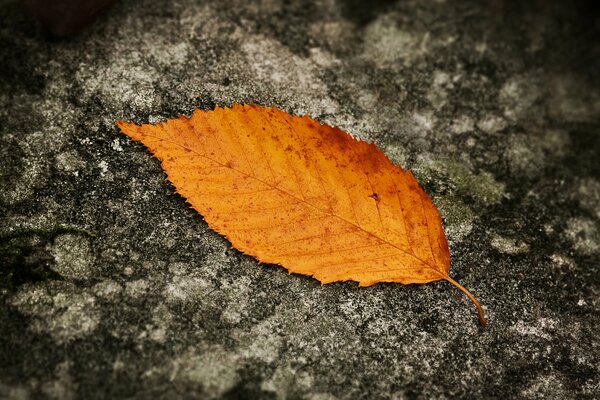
290,191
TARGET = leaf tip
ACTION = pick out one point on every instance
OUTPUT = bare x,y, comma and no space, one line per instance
121,124
126,128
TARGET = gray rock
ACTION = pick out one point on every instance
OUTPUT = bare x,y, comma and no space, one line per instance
112,287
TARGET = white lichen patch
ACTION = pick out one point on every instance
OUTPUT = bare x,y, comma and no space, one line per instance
161,322
441,84
103,166
199,21
424,121
335,34
38,149
120,82
323,58
188,283
166,54
366,100
525,154
70,161
16,391
263,342
584,235
286,382
137,288
73,256
184,288
134,64
322,396
587,193
542,328
289,75
491,123
59,117
59,309
545,387
390,47
32,176
107,289
239,292
509,245
62,386
556,141
518,95
116,144
211,369
462,124
562,261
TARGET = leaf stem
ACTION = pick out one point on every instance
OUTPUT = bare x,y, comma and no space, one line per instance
460,287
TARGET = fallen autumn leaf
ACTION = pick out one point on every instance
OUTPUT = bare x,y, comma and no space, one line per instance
309,197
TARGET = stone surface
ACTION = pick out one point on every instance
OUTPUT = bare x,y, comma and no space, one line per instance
111,287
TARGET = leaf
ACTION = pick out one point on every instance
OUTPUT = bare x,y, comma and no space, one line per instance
290,191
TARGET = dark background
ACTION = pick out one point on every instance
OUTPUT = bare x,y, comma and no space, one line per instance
111,287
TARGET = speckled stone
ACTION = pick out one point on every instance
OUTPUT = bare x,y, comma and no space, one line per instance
111,287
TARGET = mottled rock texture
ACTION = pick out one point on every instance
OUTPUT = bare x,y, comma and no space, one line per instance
111,287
